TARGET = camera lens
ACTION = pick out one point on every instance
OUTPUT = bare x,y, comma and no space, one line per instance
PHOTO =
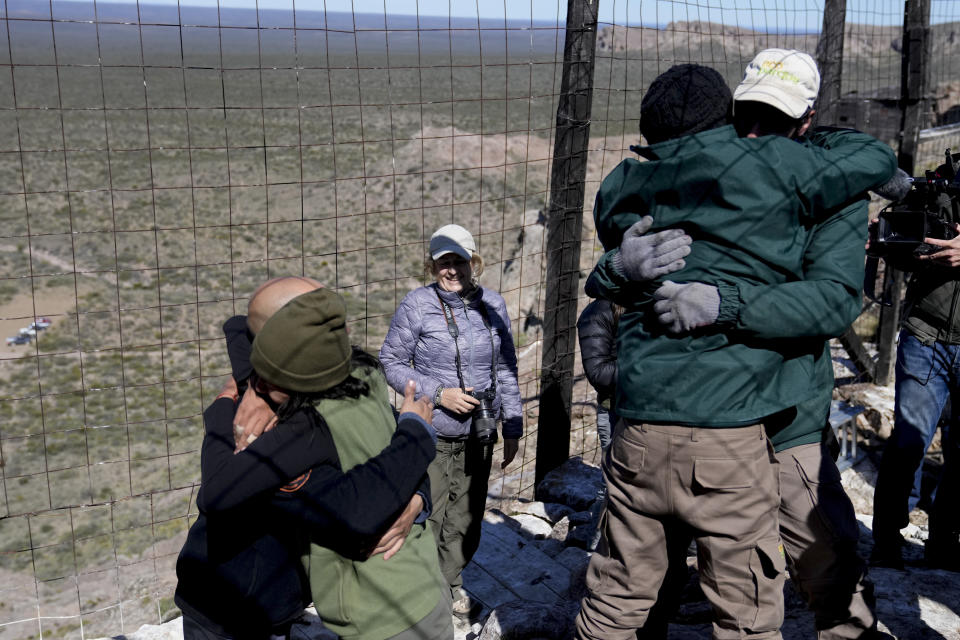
484,424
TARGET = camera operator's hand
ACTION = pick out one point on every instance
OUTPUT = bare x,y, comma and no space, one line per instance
871,233
647,257
254,417
453,399
422,407
948,255
510,448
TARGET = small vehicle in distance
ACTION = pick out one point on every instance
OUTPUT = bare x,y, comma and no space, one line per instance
39,324
20,338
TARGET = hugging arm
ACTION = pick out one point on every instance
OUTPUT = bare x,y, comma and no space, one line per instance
297,465
828,299
239,344
850,163
228,480
350,511
607,282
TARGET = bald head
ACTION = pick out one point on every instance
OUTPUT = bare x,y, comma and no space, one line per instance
274,294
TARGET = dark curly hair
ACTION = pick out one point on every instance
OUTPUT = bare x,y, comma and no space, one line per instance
351,387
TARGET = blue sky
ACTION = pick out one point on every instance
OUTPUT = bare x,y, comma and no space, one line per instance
779,15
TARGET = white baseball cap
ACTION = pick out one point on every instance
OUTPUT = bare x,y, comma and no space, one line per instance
785,79
452,238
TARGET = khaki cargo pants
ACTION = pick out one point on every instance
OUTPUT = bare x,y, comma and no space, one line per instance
820,534
719,485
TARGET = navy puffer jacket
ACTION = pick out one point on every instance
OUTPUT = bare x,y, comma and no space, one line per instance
419,347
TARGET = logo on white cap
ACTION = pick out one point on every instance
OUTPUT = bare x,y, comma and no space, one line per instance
785,79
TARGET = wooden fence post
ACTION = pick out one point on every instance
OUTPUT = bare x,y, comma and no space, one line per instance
564,223
830,60
914,80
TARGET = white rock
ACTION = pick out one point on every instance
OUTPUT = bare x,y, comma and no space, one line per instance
532,526
547,511
172,630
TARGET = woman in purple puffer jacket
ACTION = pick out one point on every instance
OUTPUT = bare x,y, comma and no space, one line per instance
481,362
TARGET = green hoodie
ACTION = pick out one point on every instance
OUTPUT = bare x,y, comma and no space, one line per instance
751,206
376,598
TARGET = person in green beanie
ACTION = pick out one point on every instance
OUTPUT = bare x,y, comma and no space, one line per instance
330,485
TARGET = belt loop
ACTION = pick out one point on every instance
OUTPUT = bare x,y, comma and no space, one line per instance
643,427
693,434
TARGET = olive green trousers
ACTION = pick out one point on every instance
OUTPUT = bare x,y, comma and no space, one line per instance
458,488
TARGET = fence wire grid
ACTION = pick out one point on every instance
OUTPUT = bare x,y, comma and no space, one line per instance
158,162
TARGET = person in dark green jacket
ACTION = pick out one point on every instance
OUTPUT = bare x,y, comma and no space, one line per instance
750,206
817,520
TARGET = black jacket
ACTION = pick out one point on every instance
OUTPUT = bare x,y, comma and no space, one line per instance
597,331
933,293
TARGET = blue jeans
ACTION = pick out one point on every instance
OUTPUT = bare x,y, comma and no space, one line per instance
926,375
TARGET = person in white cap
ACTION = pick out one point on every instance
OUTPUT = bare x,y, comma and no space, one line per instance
785,79
818,524
453,338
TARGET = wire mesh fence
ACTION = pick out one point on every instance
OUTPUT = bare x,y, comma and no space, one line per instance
159,161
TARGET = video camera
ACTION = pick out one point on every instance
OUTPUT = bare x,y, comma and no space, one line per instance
926,211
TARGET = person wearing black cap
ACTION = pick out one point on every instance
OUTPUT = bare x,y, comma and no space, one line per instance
690,456
818,524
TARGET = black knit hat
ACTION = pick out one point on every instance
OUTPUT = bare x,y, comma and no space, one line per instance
684,99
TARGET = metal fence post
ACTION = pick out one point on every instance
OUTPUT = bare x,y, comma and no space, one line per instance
914,80
564,223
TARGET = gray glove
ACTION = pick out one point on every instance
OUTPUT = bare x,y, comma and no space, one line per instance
647,257
682,307
897,187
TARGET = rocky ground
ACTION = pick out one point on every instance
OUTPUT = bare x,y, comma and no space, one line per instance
528,573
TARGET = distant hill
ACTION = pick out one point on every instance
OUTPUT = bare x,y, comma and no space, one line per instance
347,32
730,42
871,53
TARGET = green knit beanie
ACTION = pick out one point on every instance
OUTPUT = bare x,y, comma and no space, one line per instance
304,345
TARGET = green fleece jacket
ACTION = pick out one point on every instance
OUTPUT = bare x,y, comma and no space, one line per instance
376,598
751,206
